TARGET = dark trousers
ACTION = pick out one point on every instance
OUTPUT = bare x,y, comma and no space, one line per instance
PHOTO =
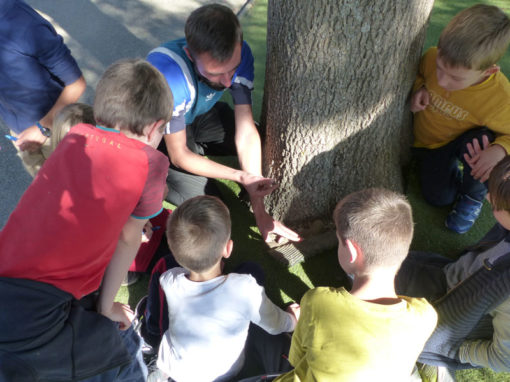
266,354
440,178
212,133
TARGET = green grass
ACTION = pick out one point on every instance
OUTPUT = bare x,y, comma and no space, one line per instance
288,284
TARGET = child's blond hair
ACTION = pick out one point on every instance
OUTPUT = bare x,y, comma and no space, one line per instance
198,231
499,185
476,38
380,222
67,117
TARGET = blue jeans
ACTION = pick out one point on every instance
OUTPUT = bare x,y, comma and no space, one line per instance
440,178
135,371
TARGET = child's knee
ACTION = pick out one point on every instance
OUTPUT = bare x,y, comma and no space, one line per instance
438,197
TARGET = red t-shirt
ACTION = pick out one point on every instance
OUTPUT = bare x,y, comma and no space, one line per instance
66,226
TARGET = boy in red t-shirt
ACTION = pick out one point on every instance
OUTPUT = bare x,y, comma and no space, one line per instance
78,227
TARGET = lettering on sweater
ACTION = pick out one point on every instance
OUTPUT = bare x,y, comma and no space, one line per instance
103,139
439,105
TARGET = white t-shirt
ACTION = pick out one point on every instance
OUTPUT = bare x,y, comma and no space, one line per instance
208,324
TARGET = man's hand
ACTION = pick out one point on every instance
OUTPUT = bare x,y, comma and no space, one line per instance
120,313
268,225
482,159
258,186
419,100
30,139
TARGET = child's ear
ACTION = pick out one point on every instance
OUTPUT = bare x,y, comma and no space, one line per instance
354,250
228,249
491,70
154,130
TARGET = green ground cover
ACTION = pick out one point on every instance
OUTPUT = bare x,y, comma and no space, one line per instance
288,284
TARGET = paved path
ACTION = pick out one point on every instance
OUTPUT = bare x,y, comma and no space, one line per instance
99,32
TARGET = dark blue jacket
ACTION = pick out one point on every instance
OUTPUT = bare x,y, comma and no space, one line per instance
35,65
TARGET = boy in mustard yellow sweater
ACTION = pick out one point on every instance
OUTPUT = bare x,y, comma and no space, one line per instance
461,100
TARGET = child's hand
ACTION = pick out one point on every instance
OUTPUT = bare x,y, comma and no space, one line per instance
30,139
482,159
294,309
419,100
120,313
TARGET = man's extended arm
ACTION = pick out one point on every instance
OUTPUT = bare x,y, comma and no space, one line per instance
31,138
248,147
183,158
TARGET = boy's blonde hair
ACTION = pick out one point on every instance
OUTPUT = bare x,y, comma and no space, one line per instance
499,185
131,95
380,222
198,231
67,117
476,38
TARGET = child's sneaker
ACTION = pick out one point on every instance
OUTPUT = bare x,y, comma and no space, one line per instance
464,213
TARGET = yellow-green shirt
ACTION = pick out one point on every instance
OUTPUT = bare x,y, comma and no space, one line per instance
342,338
449,114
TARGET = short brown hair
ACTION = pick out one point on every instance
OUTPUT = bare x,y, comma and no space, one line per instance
499,185
476,38
131,95
213,29
198,231
67,117
380,222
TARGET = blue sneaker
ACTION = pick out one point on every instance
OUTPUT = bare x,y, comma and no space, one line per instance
464,213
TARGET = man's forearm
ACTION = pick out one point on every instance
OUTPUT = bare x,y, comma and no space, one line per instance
199,165
70,94
247,139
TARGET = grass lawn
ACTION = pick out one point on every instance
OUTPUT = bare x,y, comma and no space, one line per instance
287,284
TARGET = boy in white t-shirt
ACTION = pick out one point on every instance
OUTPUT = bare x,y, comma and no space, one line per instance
210,312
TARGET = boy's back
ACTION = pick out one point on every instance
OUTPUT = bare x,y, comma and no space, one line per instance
368,333
65,228
340,337
208,324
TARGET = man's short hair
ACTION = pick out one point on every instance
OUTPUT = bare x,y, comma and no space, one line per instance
198,231
132,94
499,185
213,29
380,222
476,38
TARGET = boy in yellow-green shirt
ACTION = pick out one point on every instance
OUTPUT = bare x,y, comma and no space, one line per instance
460,96
367,333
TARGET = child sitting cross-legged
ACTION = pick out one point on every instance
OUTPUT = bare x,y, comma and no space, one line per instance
209,312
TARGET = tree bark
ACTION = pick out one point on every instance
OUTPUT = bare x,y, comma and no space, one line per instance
338,77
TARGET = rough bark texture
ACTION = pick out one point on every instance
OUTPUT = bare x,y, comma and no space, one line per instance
338,77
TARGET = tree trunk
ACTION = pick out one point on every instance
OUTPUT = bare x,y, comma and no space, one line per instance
338,77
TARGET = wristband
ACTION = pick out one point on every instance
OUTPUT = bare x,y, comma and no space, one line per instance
44,130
